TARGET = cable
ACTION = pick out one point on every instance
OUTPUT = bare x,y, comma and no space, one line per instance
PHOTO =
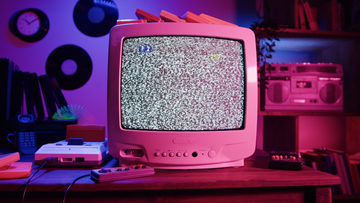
67,190
27,183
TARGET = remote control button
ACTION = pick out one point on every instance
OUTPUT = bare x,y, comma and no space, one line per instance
135,167
104,170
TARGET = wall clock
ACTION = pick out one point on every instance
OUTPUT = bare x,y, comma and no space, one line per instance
30,25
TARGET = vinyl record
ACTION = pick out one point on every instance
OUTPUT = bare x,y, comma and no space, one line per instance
70,65
95,18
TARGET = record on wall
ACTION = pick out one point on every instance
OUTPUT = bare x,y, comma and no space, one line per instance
95,18
70,65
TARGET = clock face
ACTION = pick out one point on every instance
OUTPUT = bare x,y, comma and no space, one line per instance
28,23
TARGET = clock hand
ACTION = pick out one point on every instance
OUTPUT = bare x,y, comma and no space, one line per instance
26,21
32,21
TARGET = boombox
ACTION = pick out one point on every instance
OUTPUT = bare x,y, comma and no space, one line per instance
304,86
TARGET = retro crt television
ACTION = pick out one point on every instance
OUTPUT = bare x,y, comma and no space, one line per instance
182,95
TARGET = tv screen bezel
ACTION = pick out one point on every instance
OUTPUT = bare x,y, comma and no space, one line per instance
243,72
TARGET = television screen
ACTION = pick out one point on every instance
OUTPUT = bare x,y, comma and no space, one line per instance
182,83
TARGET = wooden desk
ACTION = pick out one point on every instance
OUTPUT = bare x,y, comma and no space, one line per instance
252,183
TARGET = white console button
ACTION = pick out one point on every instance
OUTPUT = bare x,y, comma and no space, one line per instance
171,154
164,154
212,153
178,154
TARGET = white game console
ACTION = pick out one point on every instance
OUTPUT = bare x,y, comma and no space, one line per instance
73,153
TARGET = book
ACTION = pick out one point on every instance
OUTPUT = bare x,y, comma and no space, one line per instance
354,157
343,160
28,94
7,68
58,95
302,17
193,18
354,166
47,95
341,173
330,166
314,157
331,16
16,94
309,14
169,17
309,163
214,20
9,158
16,170
148,16
128,21
339,17
314,12
35,89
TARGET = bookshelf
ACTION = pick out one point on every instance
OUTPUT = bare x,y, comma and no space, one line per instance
323,42
281,128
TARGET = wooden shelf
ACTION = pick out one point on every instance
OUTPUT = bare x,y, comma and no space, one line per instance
298,33
304,113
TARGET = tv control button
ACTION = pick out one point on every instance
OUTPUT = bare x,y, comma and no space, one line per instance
178,154
212,153
164,154
183,140
157,154
186,154
171,154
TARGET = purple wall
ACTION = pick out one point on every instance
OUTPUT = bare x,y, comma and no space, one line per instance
32,56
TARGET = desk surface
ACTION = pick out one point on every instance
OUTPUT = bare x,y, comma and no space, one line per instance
254,174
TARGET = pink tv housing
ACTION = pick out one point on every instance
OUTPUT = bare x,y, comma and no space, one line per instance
182,95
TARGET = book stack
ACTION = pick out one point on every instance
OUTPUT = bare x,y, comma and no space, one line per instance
336,162
326,16
165,16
